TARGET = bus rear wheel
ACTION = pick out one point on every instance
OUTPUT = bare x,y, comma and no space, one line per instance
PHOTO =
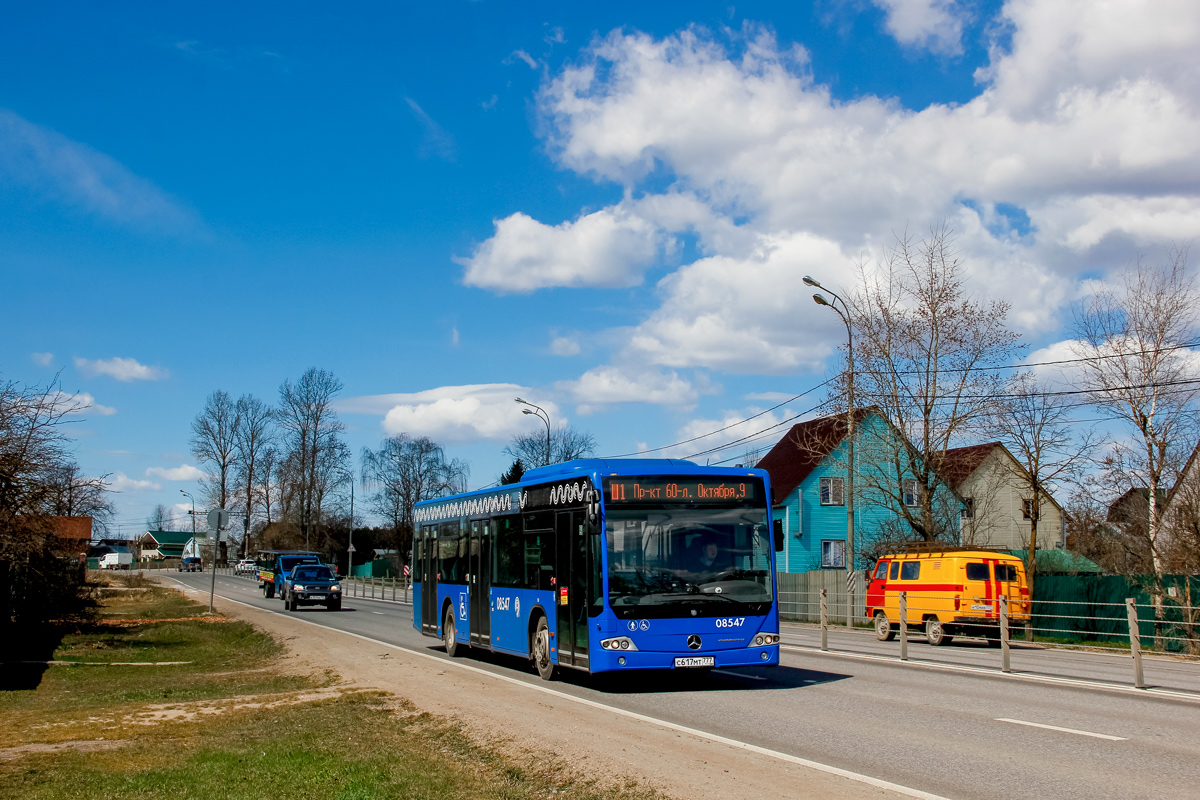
540,648
450,635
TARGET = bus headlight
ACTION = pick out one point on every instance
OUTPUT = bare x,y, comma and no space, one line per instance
765,638
619,643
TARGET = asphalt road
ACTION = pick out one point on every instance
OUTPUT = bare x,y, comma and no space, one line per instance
953,731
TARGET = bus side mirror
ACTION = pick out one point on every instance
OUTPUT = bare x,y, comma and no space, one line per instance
778,536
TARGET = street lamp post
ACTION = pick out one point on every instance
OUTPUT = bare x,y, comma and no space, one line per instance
541,414
189,494
820,300
350,544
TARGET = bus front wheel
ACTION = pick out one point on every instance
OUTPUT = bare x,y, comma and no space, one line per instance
541,650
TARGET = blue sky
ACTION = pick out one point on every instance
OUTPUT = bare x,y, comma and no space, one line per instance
605,208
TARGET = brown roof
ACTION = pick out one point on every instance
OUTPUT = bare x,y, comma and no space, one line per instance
959,464
72,528
797,454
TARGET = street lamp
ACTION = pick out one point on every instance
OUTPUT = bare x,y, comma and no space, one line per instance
844,313
541,414
189,494
350,544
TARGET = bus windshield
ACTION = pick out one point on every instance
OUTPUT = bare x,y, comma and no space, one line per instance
688,560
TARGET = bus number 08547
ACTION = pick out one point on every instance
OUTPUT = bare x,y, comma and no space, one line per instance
730,622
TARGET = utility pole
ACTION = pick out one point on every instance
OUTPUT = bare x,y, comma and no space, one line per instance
821,301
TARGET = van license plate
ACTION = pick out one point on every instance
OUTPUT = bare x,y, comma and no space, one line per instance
696,661
316,597
977,607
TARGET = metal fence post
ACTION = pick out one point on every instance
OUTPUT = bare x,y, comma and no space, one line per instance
904,626
1135,644
824,619
1004,665
393,588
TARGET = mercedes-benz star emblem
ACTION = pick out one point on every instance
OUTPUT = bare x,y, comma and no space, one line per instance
694,641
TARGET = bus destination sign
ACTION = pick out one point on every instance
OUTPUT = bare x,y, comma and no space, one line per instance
707,489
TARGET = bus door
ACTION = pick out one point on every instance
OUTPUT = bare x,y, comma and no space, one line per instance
571,593
479,579
429,565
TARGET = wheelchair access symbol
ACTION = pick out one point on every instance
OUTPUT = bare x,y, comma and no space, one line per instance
462,606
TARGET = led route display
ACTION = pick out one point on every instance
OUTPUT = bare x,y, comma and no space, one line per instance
682,490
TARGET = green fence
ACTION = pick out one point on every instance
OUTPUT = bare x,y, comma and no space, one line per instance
1092,607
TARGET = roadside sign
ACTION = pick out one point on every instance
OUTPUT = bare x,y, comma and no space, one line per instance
218,518
407,571
351,549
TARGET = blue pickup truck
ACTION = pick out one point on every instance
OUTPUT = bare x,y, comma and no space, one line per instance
311,584
273,565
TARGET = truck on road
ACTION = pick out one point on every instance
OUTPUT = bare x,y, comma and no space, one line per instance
118,558
273,565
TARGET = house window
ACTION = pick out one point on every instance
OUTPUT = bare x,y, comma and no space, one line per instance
1026,509
968,509
912,497
833,554
833,491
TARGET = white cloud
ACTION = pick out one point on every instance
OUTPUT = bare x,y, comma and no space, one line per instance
456,414
608,248
607,385
435,141
184,472
521,55
72,173
79,403
123,483
42,359
936,25
123,369
1081,149
564,346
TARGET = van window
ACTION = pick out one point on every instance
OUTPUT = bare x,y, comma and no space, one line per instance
895,571
881,570
1006,572
910,570
977,572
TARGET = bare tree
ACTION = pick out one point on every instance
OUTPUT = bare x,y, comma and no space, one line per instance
306,415
925,358
161,519
566,443
252,437
1135,343
403,472
1034,424
73,494
214,445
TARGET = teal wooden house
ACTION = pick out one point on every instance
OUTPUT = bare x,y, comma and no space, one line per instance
808,469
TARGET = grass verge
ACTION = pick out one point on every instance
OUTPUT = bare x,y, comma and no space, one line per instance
229,724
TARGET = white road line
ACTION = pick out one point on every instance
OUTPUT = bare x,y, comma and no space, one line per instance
712,737
1063,730
380,613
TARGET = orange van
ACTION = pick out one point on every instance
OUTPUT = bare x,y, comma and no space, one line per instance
951,591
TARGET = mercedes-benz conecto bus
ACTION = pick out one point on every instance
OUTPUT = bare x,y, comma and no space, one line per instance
605,565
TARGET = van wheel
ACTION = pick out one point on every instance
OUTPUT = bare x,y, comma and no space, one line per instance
540,648
883,628
450,635
935,632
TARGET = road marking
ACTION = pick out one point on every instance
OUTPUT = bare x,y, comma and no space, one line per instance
738,675
1063,730
712,737
993,673
380,613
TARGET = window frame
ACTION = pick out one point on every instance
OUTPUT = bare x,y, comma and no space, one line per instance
915,493
837,554
831,490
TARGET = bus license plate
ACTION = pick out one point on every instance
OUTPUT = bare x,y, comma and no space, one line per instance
696,661
316,597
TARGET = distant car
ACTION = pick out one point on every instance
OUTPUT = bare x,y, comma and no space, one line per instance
191,564
246,566
311,584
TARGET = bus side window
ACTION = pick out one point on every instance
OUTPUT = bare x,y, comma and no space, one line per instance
910,570
508,552
977,572
451,552
895,573
881,570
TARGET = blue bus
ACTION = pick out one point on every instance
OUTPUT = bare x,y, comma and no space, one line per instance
605,565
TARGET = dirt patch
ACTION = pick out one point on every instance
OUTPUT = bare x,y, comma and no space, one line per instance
13,753
596,744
